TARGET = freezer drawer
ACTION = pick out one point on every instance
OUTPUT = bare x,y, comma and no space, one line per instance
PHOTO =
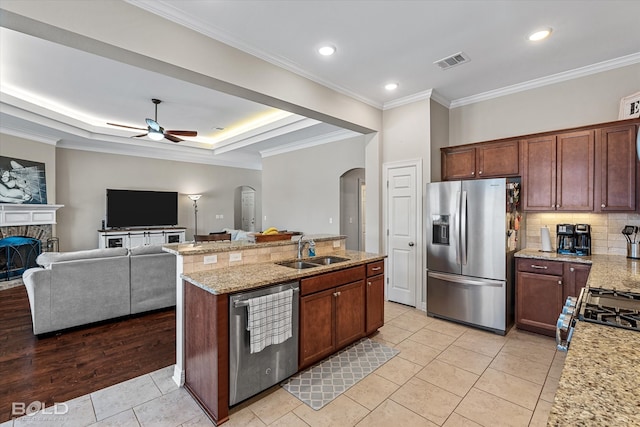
474,301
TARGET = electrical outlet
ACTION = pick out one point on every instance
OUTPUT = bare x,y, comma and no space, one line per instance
211,259
336,243
330,220
236,256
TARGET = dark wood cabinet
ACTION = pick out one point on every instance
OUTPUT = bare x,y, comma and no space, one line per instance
542,288
558,172
332,313
375,297
615,185
484,160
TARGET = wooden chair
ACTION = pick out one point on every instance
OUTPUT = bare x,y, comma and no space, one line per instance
212,237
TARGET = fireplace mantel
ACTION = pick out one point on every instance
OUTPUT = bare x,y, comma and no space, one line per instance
27,214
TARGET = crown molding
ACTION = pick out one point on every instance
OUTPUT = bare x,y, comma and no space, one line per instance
420,96
310,142
549,80
26,134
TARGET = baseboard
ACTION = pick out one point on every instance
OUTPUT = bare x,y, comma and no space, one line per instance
178,376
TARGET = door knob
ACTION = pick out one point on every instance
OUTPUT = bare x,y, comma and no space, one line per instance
411,243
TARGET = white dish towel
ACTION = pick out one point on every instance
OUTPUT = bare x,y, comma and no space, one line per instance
269,319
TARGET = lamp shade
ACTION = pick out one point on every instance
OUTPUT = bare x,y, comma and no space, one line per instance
155,135
194,197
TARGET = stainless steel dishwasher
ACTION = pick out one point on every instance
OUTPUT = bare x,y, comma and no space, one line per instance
249,373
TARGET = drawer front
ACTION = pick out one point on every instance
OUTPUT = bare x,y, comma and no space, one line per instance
331,280
541,266
375,268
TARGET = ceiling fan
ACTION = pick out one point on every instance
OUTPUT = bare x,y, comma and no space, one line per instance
157,132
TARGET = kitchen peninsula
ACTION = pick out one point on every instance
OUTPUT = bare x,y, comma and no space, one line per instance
209,272
600,382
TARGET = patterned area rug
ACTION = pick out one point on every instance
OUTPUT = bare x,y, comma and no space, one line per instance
322,383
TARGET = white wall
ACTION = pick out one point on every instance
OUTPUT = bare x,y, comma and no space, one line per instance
84,176
439,137
301,189
582,101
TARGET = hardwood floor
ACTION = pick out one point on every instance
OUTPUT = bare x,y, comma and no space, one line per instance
70,364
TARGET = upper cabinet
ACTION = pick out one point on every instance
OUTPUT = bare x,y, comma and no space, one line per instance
484,160
558,172
615,184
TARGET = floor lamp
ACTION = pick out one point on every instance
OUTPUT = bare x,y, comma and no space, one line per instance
195,198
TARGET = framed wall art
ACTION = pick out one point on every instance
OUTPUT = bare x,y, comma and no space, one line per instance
22,181
630,107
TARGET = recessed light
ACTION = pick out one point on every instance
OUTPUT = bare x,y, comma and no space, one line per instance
540,34
391,86
327,50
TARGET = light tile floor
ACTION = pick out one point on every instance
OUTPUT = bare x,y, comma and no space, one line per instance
445,375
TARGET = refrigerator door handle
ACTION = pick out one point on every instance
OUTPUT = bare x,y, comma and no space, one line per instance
456,230
463,229
465,280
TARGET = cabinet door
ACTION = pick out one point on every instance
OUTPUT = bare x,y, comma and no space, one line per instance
317,323
498,159
458,163
575,278
575,171
136,239
539,173
616,169
350,313
538,302
156,238
375,303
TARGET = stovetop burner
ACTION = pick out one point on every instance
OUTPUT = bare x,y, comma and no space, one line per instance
610,307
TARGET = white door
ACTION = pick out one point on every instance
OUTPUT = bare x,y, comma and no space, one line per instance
402,234
248,210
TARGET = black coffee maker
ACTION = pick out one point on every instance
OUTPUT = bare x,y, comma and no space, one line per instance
565,236
582,239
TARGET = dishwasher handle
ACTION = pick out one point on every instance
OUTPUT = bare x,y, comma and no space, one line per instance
245,303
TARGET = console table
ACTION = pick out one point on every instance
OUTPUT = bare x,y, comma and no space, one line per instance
132,237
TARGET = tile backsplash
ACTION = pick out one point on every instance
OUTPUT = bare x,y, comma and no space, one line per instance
606,229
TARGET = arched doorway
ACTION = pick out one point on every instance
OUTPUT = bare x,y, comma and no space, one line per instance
352,197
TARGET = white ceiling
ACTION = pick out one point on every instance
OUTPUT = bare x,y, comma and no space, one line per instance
377,42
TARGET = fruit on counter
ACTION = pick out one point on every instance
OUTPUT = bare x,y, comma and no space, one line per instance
270,230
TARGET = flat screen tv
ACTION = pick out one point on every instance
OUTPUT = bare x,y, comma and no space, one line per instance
136,208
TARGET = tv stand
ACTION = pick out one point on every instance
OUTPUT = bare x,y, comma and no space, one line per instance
132,237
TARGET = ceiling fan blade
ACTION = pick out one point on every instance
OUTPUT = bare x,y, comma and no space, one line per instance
172,138
182,132
125,126
140,136
153,125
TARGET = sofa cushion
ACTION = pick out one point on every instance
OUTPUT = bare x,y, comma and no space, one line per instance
146,250
45,259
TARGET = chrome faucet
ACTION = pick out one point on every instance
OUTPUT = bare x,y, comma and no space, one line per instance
301,245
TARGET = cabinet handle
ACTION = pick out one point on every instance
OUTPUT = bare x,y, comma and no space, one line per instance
559,282
336,294
553,206
369,283
572,269
603,205
480,173
540,267
473,173
376,268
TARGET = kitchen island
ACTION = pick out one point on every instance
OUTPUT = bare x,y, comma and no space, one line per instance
600,381
203,303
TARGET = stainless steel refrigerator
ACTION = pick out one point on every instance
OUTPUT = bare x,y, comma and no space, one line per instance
471,238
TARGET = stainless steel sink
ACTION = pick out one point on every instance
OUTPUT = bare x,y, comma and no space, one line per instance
298,264
327,260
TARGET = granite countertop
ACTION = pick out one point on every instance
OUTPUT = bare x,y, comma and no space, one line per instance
245,277
191,248
600,382
607,271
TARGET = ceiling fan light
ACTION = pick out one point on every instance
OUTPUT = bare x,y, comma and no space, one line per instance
155,135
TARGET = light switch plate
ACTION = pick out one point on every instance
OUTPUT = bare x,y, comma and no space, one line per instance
211,259
236,256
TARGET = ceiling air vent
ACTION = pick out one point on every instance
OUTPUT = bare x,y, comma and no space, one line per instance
453,60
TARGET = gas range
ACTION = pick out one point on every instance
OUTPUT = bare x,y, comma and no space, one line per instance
609,307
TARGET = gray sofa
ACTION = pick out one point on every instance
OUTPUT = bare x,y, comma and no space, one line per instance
77,288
